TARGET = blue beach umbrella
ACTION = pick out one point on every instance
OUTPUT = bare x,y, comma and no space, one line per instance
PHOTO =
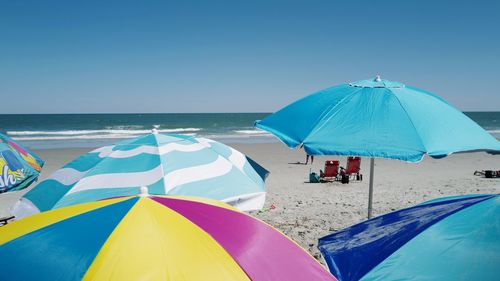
19,167
453,238
166,164
377,118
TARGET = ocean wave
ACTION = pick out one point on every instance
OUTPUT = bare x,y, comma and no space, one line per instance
252,132
84,137
235,136
78,137
497,131
97,132
91,134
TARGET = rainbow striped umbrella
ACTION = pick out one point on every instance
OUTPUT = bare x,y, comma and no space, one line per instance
19,167
151,238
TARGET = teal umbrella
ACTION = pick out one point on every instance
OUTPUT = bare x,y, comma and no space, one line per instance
377,118
451,238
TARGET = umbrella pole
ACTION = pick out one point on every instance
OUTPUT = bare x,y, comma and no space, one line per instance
370,190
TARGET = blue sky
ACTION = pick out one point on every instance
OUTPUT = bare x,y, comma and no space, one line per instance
239,56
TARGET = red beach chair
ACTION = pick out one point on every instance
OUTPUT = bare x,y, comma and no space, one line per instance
331,171
353,168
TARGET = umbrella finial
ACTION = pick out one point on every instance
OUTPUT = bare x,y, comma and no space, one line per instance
154,131
144,192
377,78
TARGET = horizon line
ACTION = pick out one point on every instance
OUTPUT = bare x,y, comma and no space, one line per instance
110,113
118,113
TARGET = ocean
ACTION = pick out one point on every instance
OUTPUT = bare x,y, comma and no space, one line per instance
45,131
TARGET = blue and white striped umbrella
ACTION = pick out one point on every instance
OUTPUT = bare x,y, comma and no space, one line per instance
166,164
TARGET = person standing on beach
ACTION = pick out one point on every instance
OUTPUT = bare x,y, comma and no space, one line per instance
307,156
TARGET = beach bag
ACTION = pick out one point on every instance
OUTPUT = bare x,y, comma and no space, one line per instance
491,174
345,178
313,178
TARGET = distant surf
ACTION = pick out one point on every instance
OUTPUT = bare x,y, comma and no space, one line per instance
93,130
98,132
252,132
90,134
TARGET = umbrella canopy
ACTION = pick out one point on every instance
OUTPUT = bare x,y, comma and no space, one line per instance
377,118
19,167
166,164
152,238
454,238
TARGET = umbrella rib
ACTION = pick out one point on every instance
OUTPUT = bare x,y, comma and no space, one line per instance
78,181
97,164
161,164
232,164
324,114
411,121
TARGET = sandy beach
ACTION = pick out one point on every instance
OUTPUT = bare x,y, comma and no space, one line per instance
306,212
